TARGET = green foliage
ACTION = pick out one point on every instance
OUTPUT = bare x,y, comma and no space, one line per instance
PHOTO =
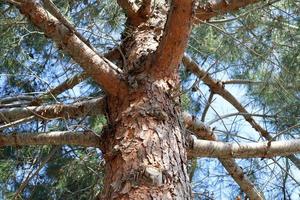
97,123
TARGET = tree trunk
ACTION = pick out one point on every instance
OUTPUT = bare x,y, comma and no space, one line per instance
145,148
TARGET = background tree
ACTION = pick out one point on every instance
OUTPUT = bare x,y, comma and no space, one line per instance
96,85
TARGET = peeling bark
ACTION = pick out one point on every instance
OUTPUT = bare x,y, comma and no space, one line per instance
145,152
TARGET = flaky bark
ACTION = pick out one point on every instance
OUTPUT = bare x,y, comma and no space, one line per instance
146,156
146,150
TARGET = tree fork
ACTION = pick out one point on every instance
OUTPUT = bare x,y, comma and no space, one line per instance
145,151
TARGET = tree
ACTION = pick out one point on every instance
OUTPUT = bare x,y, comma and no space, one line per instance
147,136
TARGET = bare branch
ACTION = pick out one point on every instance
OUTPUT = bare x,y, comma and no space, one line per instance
218,88
175,37
79,109
69,83
241,114
100,69
204,132
208,103
76,79
51,7
85,139
14,123
217,7
204,148
129,7
8,100
242,81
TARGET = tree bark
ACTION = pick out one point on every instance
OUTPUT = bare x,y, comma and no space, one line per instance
145,146
146,152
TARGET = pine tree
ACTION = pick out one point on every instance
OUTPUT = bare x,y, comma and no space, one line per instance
117,100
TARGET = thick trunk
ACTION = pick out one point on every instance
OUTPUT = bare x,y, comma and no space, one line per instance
145,147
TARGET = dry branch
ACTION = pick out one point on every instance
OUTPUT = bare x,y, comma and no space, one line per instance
218,88
204,148
204,132
85,139
79,109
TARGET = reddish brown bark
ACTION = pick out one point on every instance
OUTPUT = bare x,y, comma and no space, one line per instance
214,8
145,147
145,154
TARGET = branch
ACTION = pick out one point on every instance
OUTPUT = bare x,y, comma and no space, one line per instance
130,8
208,103
7,100
76,79
242,81
85,139
204,132
79,109
69,83
16,122
204,148
145,9
100,69
218,88
175,37
217,7
238,114
51,7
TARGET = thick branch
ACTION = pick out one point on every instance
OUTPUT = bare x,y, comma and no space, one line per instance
204,148
145,9
80,109
129,7
85,139
204,132
99,68
217,7
175,37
